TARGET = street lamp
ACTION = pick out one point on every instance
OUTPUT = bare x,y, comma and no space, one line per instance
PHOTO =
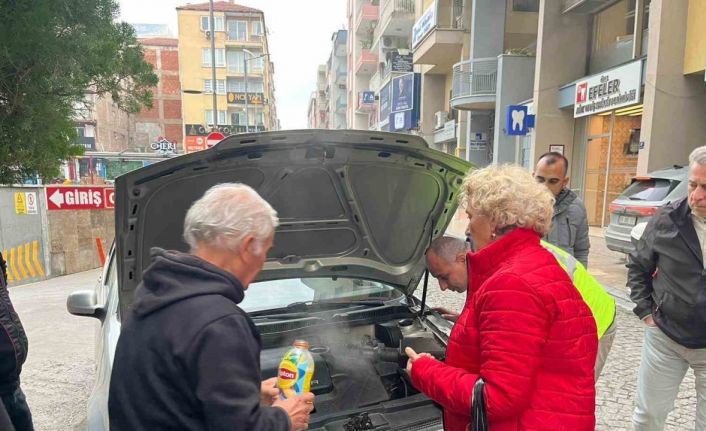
245,77
214,84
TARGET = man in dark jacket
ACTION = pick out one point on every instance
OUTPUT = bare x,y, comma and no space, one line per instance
569,223
667,279
13,352
188,357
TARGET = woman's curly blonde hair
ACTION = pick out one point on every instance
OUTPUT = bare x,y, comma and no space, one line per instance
508,195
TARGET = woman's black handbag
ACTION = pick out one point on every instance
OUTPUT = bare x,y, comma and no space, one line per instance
479,419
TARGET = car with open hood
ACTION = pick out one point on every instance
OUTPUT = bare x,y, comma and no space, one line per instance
357,211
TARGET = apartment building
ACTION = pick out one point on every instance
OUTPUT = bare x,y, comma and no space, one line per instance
244,71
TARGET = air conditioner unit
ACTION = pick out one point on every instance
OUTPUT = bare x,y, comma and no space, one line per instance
387,42
439,119
342,86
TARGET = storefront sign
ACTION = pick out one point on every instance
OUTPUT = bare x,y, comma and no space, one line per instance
163,146
479,141
403,93
447,133
609,90
195,143
201,130
425,24
79,198
239,98
401,63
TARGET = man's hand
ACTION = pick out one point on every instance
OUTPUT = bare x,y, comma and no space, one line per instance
413,356
446,313
650,321
269,392
298,409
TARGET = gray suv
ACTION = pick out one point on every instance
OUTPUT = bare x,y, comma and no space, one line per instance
640,200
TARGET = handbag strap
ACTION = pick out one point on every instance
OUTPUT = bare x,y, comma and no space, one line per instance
479,418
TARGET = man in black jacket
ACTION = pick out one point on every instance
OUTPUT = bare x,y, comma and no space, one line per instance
13,352
667,279
188,357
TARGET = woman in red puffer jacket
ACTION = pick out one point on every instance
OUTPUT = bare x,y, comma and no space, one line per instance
524,328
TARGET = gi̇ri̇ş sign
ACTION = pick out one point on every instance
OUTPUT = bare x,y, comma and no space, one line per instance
609,90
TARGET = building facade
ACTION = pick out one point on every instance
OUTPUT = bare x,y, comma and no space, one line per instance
337,70
162,123
244,72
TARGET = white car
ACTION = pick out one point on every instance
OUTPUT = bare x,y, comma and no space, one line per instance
357,211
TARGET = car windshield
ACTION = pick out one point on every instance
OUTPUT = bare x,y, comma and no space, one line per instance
266,295
652,189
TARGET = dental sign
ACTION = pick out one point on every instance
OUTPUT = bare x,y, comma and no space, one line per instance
516,123
609,90
425,24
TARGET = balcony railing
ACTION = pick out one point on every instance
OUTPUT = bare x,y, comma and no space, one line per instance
388,8
368,59
477,77
368,14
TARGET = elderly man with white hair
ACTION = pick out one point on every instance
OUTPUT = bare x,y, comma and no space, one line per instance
188,357
667,278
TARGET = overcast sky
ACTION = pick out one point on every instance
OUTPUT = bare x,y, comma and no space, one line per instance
300,40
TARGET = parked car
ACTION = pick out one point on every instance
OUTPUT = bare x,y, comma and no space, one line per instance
640,200
357,211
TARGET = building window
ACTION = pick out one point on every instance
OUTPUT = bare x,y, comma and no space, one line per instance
613,36
237,118
256,61
218,21
257,28
259,119
221,117
235,61
220,57
525,5
220,86
237,30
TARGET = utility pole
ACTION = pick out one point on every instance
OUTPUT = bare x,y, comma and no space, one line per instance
214,85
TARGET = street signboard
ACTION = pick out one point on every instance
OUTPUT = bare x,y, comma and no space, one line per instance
214,138
77,198
516,120
109,197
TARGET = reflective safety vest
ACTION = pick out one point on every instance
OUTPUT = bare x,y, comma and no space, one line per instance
600,302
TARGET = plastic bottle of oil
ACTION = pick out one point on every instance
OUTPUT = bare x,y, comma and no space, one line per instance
295,370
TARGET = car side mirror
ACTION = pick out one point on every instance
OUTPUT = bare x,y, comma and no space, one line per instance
84,303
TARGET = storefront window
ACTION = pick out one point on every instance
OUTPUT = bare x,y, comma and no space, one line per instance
611,161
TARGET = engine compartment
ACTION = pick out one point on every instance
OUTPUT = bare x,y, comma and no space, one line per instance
360,370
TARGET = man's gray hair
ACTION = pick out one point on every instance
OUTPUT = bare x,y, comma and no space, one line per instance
226,214
448,247
698,156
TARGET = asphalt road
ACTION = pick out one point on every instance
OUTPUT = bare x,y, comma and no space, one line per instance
58,374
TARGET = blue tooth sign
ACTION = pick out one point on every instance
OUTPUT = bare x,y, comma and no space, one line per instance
516,120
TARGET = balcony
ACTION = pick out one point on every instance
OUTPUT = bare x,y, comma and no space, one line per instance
367,17
474,84
367,63
375,82
396,18
439,43
341,75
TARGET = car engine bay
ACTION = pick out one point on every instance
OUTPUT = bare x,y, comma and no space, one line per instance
360,380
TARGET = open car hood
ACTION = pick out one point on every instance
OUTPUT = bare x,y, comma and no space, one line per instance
351,203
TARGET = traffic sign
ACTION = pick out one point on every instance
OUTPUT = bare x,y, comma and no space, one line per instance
109,197
76,198
213,138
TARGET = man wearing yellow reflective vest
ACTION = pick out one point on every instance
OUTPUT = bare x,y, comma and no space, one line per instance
446,261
